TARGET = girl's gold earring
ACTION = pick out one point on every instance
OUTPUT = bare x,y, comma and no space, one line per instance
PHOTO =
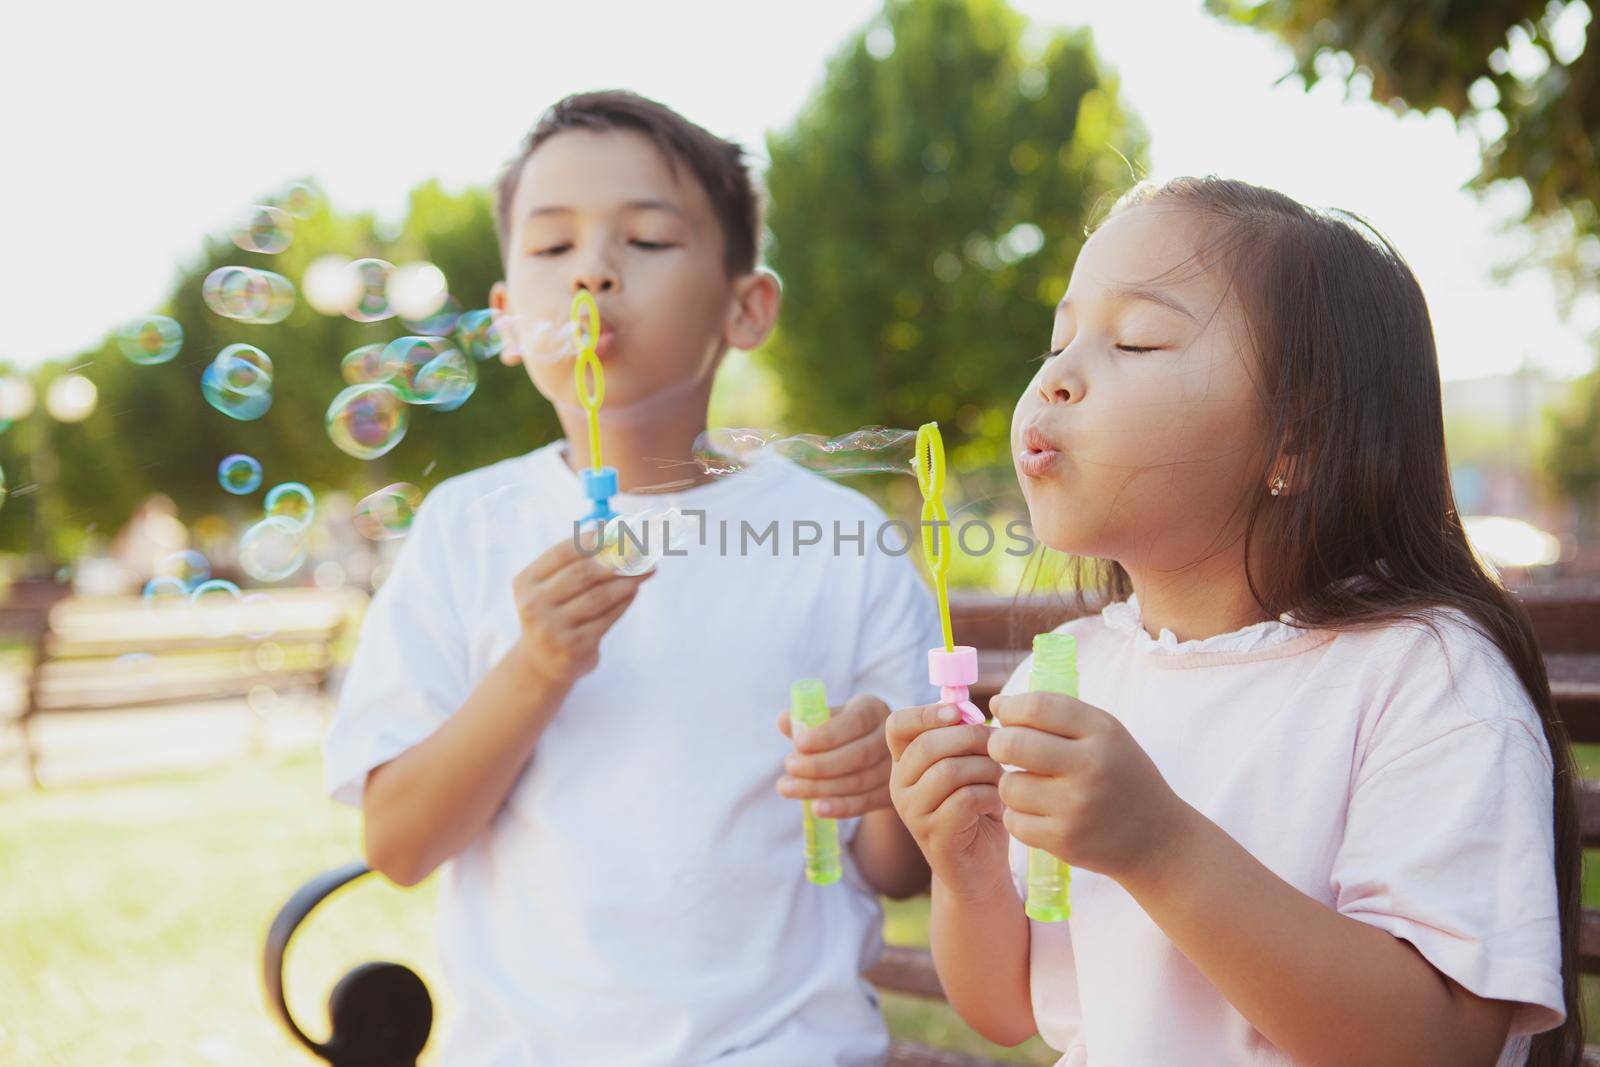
1277,485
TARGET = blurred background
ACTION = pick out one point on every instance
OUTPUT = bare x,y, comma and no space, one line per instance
931,164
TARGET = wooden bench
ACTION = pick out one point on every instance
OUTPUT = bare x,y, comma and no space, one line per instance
381,1013
109,653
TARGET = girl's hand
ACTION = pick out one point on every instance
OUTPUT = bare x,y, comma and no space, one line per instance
842,765
566,602
1085,791
944,787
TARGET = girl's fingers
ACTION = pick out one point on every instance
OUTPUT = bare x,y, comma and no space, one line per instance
1032,750
1031,830
969,802
950,774
1027,794
906,725
931,746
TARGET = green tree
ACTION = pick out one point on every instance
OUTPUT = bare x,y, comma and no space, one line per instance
152,431
927,206
1526,75
1459,55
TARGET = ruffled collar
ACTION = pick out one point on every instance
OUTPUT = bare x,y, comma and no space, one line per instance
1124,617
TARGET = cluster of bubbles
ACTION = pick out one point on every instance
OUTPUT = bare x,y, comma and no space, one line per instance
536,340
389,512
870,450
183,580
369,416
268,228
246,294
265,228
238,382
150,339
275,547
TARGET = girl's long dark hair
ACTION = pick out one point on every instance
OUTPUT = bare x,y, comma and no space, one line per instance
1369,535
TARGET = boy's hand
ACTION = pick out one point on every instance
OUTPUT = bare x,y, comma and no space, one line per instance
1085,792
944,787
842,765
567,602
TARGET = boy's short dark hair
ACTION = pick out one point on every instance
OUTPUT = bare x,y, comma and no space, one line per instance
718,165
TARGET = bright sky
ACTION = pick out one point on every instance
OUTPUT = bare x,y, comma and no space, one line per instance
125,142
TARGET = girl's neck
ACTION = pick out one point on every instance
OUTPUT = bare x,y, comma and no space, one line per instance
1202,601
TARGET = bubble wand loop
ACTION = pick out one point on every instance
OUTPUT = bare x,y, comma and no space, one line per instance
954,667
599,481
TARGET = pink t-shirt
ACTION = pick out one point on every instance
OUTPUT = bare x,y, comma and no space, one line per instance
1402,782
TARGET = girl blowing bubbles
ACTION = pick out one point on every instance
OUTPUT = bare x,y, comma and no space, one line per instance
1317,804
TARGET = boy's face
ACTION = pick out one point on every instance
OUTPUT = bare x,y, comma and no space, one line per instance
607,212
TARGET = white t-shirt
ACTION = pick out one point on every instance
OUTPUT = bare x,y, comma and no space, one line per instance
1401,782
641,899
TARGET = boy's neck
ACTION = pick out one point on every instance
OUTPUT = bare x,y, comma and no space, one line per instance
651,446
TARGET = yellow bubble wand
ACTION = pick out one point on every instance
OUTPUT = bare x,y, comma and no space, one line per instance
599,481
954,667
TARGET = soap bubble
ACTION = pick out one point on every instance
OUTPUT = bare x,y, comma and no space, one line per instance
165,591
364,364
440,324
273,548
417,290
371,288
389,512
403,359
234,405
292,502
264,229
539,340
478,334
446,380
244,369
299,199
188,566
217,602
245,294
634,543
258,616
331,287
872,449
150,339
367,420
239,474
238,382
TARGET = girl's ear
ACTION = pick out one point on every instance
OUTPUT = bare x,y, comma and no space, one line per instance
755,309
1283,477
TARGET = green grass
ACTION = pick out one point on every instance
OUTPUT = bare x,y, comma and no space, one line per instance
132,916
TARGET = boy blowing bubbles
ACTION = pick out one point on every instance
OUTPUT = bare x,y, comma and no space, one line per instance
592,753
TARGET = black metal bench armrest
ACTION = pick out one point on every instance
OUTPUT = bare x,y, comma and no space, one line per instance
380,1013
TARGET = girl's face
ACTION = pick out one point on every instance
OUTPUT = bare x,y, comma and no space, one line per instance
1138,438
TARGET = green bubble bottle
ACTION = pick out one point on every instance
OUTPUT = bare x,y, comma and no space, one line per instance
808,707
1055,670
